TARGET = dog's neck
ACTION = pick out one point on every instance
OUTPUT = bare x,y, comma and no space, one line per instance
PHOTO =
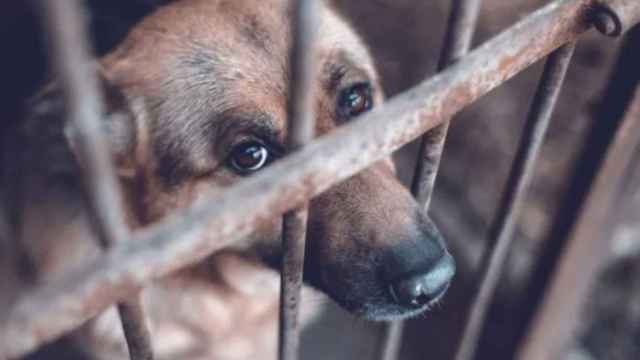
226,309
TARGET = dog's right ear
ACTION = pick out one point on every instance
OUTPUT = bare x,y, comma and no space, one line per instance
119,126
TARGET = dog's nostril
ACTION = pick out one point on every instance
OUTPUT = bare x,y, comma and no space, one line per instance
421,289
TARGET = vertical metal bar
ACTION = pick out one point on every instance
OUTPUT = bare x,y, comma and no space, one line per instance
391,341
501,232
587,230
461,26
71,58
616,99
589,240
457,42
301,128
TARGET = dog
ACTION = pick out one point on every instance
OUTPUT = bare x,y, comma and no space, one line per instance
196,99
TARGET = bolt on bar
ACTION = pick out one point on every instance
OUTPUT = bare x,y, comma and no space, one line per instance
461,25
588,235
615,17
501,231
301,127
190,235
71,58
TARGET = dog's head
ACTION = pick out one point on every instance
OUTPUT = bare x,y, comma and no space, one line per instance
198,94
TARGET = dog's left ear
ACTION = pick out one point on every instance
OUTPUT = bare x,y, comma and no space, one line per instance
119,129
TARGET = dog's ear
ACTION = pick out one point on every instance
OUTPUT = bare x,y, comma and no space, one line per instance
118,123
120,127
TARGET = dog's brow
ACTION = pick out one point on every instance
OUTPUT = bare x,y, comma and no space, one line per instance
259,124
338,68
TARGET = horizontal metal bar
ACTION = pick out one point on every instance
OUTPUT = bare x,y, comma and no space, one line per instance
71,58
461,26
190,235
501,232
301,128
586,239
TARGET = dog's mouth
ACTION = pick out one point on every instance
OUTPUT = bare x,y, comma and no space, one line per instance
375,310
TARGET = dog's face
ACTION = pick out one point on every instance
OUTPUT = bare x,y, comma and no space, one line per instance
204,87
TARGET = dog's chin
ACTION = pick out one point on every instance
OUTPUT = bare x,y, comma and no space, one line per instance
383,309
390,312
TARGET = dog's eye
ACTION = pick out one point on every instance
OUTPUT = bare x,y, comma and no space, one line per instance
248,157
355,100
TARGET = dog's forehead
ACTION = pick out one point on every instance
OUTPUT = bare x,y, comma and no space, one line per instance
200,64
234,49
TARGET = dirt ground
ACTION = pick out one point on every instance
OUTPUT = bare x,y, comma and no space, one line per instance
405,37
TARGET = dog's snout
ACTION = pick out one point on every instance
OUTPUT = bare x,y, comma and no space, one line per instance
418,290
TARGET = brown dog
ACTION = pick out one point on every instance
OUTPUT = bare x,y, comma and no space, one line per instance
196,97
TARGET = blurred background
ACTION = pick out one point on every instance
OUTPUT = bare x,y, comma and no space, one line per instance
405,37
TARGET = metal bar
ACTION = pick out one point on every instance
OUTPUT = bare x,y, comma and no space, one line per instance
391,341
501,232
301,127
191,234
293,240
72,60
583,256
587,229
461,26
616,97
457,42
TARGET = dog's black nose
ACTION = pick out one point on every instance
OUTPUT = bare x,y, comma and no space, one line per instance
420,289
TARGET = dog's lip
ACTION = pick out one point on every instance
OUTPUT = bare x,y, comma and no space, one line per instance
413,312
437,299
399,312
440,291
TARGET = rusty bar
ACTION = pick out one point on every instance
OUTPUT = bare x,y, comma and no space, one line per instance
191,234
293,241
461,26
501,231
587,229
71,59
301,127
